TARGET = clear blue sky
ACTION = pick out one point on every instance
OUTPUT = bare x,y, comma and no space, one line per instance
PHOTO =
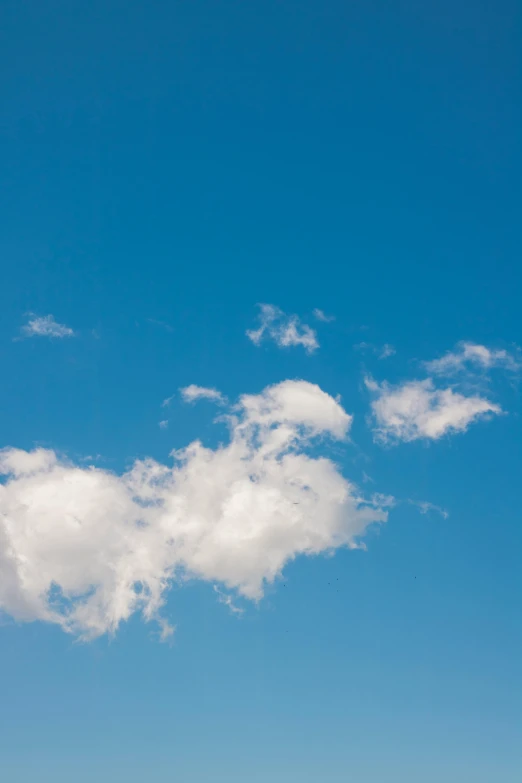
166,166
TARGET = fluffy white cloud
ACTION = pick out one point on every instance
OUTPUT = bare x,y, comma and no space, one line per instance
85,548
417,409
45,326
192,393
469,355
284,330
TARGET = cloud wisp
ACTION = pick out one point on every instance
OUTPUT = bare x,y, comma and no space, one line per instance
470,356
85,548
45,326
284,330
381,351
320,315
193,393
425,507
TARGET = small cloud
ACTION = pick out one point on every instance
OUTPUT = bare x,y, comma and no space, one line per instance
383,501
163,425
386,351
162,324
192,393
424,507
167,401
417,409
45,326
284,330
468,355
380,351
91,458
228,601
321,316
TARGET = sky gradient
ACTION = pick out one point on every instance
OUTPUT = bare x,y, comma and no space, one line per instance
289,201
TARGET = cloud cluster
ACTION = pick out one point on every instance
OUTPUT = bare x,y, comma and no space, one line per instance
284,330
424,409
45,326
85,548
417,409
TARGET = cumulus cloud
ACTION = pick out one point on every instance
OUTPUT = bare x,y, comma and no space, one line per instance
192,393
45,326
284,330
85,548
321,316
469,355
417,409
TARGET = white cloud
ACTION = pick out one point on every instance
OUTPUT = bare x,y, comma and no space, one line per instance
416,409
284,330
321,316
386,351
382,351
192,393
425,507
85,548
468,355
228,601
163,425
45,326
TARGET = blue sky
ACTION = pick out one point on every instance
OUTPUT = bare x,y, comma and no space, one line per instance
167,168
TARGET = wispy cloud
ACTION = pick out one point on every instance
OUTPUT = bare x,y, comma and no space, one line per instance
233,516
386,351
425,507
417,409
381,351
469,356
321,316
45,326
228,601
192,393
163,425
284,330
162,324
